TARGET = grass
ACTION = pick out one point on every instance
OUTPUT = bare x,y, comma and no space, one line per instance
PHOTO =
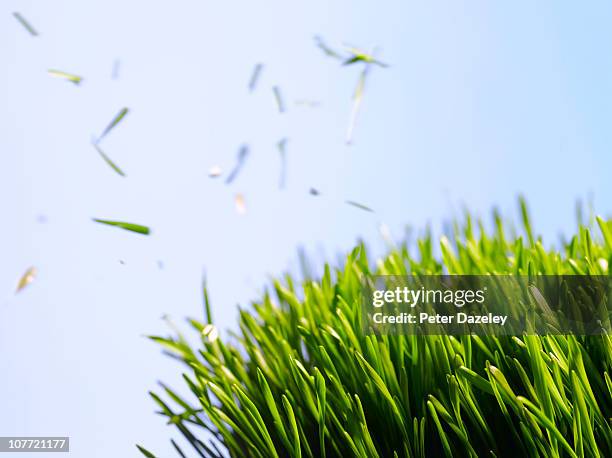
301,379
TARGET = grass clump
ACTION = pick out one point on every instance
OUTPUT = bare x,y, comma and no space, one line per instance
302,380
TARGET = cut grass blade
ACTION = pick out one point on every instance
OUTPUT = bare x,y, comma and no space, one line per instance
116,120
326,49
26,25
139,229
240,204
278,97
205,299
243,153
357,100
27,278
359,206
110,163
255,77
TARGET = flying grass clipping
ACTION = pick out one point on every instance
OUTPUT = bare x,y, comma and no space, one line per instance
351,55
115,121
255,77
137,228
26,25
243,153
70,77
27,278
108,161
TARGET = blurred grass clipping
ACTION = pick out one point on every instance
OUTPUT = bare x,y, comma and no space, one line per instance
303,378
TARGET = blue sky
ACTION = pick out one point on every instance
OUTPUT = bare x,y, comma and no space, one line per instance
482,101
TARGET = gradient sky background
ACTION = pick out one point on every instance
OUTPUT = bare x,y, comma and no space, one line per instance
482,101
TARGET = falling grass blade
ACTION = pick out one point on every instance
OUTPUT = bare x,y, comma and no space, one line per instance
28,277
326,49
358,55
243,153
282,149
240,204
75,79
116,120
26,25
255,77
359,206
357,99
441,434
278,97
126,226
109,161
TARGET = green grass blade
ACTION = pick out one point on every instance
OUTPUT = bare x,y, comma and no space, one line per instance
71,77
115,121
109,162
26,25
139,229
